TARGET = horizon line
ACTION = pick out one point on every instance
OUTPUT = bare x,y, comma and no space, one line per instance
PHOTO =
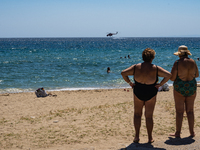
111,37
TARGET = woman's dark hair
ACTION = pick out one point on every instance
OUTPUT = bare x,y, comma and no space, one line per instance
148,54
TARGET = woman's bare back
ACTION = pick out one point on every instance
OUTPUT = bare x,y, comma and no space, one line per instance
145,73
187,69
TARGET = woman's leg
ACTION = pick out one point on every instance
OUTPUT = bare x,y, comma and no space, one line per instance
138,106
179,105
189,107
149,109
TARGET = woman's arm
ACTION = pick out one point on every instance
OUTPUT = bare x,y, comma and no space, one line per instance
127,72
163,73
197,71
174,72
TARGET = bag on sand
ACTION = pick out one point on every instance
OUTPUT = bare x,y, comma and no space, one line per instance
164,87
41,92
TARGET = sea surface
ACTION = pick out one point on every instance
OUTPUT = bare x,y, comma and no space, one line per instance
80,63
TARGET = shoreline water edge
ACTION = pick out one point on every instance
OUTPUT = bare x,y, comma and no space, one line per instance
74,89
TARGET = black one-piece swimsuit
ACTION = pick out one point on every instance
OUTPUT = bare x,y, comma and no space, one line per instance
145,92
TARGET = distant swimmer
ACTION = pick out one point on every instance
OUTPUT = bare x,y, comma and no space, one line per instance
129,56
111,34
198,59
108,70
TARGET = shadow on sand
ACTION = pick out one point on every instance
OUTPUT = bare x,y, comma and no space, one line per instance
171,141
142,146
180,141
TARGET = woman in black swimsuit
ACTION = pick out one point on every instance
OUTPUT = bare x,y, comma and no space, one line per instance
145,90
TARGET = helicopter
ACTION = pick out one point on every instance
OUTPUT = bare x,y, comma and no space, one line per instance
111,34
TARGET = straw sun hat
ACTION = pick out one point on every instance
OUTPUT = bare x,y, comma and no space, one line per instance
182,49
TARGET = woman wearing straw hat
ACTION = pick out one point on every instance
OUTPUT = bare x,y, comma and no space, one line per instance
145,90
184,72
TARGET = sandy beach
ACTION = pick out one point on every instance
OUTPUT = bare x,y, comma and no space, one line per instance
83,120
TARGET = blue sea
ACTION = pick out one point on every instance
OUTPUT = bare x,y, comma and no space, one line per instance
80,63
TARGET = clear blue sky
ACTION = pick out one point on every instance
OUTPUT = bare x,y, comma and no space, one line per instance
95,18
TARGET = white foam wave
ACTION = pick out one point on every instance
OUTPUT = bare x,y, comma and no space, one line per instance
17,90
14,90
